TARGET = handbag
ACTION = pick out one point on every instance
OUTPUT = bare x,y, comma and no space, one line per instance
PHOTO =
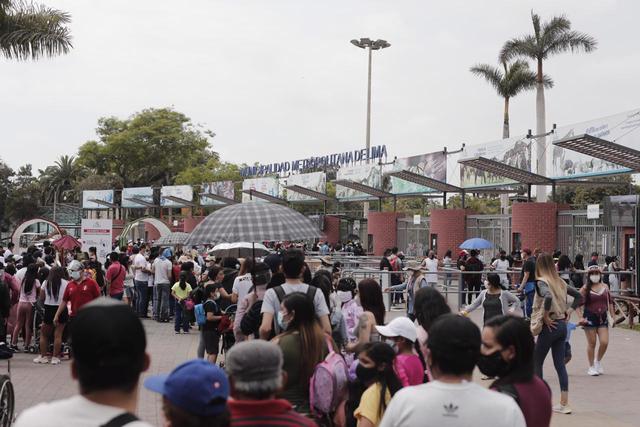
537,315
188,304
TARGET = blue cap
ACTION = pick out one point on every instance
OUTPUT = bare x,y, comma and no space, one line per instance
197,386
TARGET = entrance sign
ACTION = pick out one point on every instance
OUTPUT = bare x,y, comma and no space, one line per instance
97,233
416,219
593,211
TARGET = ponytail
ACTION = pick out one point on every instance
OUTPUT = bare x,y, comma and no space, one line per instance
423,362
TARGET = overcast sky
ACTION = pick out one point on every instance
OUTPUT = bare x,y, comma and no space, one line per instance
279,80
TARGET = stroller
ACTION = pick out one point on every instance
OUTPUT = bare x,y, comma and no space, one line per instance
225,328
38,318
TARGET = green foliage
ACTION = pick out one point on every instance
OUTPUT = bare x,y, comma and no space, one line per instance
19,195
580,196
513,79
213,170
60,178
485,204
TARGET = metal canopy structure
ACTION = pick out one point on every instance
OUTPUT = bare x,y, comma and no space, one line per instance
264,196
356,186
218,198
309,193
178,200
425,181
507,171
141,202
602,149
103,203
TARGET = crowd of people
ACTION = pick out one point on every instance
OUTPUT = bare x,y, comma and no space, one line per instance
303,347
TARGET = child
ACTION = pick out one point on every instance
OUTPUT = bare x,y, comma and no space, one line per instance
408,364
567,345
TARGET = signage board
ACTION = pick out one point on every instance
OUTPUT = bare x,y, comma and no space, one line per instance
268,186
89,195
144,194
184,192
97,233
316,181
220,188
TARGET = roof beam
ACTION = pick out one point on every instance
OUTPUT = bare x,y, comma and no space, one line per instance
507,171
264,196
309,193
356,186
425,181
602,149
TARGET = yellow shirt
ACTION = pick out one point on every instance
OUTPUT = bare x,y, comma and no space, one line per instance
182,294
370,404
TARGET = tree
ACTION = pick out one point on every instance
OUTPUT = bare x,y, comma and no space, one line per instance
486,204
549,38
60,178
150,148
22,199
583,195
516,78
31,31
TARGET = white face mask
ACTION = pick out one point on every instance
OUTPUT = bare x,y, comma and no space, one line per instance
75,275
595,278
345,296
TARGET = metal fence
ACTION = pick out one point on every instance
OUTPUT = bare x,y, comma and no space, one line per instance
494,228
579,235
413,239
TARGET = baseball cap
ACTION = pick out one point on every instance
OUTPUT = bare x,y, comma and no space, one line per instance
399,327
196,386
594,268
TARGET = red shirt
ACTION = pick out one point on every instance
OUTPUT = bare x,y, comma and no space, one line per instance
116,274
534,399
79,294
273,412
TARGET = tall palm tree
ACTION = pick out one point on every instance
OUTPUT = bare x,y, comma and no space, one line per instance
32,31
549,38
60,178
515,78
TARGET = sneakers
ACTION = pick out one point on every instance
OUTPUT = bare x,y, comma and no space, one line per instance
178,332
55,361
562,409
598,367
593,371
40,360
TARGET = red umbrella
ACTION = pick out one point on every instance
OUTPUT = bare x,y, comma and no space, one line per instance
66,242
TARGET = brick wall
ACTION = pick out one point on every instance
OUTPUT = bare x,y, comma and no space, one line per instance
191,222
537,224
332,229
383,227
450,226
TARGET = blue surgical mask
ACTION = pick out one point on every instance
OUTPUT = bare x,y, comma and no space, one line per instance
284,324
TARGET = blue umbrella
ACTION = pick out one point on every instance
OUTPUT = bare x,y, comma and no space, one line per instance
476,243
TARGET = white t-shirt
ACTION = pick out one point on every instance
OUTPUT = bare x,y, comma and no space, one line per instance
431,265
162,269
501,265
241,285
55,299
446,405
7,253
270,304
139,261
75,411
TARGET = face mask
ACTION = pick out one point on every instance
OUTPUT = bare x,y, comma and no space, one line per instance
502,257
595,278
345,296
366,375
284,324
430,256
493,365
75,275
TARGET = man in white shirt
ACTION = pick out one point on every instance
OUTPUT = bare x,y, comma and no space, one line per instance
430,263
452,399
9,250
140,281
501,265
107,364
162,272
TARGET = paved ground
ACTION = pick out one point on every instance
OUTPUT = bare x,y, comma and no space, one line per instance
612,399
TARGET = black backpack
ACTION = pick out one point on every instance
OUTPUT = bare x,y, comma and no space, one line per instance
250,323
311,292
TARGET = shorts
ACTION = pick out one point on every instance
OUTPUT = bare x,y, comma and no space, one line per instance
211,341
595,320
50,313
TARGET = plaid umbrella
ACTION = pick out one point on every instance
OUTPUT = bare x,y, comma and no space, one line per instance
253,222
171,239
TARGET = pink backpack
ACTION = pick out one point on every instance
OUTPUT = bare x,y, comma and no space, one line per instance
328,384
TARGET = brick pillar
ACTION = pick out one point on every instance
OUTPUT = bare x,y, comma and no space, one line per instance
191,222
450,225
537,224
383,227
332,229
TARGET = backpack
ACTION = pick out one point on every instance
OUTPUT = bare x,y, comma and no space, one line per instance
201,316
250,323
329,383
311,292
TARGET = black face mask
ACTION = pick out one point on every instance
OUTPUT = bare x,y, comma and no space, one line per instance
366,375
502,257
493,365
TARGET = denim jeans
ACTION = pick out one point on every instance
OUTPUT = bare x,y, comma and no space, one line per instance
141,297
182,319
161,304
201,344
554,340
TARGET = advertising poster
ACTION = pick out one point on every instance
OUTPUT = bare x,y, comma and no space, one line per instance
432,165
88,196
263,185
370,175
514,151
97,233
316,181
623,129
141,193
220,188
180,191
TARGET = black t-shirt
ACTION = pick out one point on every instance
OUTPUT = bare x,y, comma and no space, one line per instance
211,307
530,267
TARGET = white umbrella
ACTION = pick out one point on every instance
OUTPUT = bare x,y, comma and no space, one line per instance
239,250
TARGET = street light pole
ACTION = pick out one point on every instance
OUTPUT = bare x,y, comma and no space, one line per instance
368,138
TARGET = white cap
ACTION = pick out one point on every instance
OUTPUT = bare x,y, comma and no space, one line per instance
399,327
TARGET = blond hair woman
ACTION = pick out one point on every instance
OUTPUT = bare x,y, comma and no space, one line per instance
549,322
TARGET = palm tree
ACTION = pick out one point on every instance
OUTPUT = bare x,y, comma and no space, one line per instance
60,178
516,78
548,38
32,31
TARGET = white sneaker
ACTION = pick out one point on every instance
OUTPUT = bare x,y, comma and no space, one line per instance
599,368
592,371
562,409
41,360
55,361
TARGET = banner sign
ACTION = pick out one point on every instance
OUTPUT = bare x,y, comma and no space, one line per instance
370,175
103,195
263,185
514,151
336,160
219,188
97,233
432,165
316,181
141,193
180,191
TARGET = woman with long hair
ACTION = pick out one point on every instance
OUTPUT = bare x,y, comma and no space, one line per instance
376,372
429,305
54,287
577,279
494,300
373,312
303,346
565,268
507,354
29,289
129,289
597,304
549,321
242,283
